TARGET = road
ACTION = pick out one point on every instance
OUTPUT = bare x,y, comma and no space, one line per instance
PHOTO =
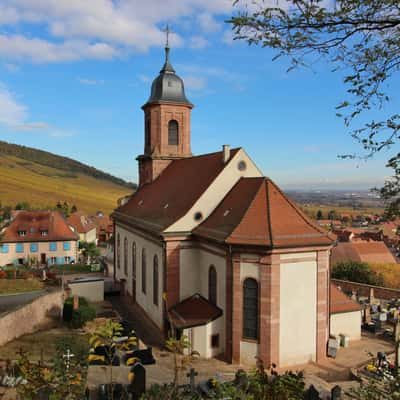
9,302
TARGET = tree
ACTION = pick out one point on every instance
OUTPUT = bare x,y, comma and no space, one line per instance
361,37
356,271
319,214
89,251
332,215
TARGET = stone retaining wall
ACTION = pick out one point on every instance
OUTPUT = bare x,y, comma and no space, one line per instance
363,289
29,317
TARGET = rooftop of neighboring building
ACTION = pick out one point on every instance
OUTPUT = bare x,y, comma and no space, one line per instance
38,226
341,303
81,222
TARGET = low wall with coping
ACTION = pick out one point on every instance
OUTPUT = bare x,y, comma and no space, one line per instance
29,317
362,289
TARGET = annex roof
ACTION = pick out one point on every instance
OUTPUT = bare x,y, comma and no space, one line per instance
81,222
193,311
341,303
34,223
257,212
159,204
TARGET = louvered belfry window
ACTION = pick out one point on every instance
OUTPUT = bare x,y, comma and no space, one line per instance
250,309
173,133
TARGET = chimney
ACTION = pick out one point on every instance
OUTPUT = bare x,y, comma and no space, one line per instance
226,153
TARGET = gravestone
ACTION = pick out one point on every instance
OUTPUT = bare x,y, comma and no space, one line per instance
138,386
336,393
192,379
312,394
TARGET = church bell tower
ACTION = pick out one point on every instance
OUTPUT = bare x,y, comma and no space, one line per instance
167,123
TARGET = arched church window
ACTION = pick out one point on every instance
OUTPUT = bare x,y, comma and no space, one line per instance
144,271
250,309
126,256
134,260
212,285
118,251
173,133
155,280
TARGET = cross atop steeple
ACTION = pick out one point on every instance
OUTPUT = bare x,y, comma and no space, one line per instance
167,33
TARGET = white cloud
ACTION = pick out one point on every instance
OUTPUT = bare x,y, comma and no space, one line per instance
227,37
100,29
15,116
11,67
195,82
144,78
198,42
208,23
19,47
90,82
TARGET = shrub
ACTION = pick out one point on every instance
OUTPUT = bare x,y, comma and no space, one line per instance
78,318
356,271
67,311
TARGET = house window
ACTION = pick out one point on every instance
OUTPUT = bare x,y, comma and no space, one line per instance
22,233
147,131
250,309
144,271
53,260
126,256
53,246
66,246
173,133
34,247
118,251
134,260
67,260
212,285
4,248
215,341
44,233
155,280
19,248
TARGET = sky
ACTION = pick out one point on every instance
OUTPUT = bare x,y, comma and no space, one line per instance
74,75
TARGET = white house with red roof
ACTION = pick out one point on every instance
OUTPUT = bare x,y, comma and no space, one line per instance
41,237
83,226
245,273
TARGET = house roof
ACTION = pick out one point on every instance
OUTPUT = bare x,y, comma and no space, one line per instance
81,222
103,223
257,212
193,311
159,204
341,303
33,223
367,251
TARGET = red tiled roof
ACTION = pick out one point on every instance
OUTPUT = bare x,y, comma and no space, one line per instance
193,311
103,223
367,251
256,212
341,303
173,193
81,222
33,222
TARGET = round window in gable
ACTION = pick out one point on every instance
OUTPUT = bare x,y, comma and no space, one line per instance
198,216
242,165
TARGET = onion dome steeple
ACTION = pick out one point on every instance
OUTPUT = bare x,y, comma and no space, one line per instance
168,87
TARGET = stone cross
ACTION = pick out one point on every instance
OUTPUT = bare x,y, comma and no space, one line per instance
68,357
167,32
192,376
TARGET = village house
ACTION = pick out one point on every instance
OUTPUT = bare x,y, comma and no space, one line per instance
83,226
38,237
104,227
245,273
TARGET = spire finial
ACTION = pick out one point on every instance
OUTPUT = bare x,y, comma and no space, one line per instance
167,66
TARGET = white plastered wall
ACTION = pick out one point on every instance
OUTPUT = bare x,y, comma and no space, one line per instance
195,264
348,323
248,349
152,249
212,197
298,309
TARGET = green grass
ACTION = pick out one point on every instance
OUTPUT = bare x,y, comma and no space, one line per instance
43,186
12,286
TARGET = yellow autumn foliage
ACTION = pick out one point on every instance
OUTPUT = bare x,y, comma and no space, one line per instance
390,273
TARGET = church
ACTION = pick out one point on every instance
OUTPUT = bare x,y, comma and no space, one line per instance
211,248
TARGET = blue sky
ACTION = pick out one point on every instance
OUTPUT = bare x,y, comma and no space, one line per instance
74,74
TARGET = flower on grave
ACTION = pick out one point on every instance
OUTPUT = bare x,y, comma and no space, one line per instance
131,377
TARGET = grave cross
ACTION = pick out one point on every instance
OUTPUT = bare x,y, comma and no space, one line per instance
167,31
68,357
192,376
